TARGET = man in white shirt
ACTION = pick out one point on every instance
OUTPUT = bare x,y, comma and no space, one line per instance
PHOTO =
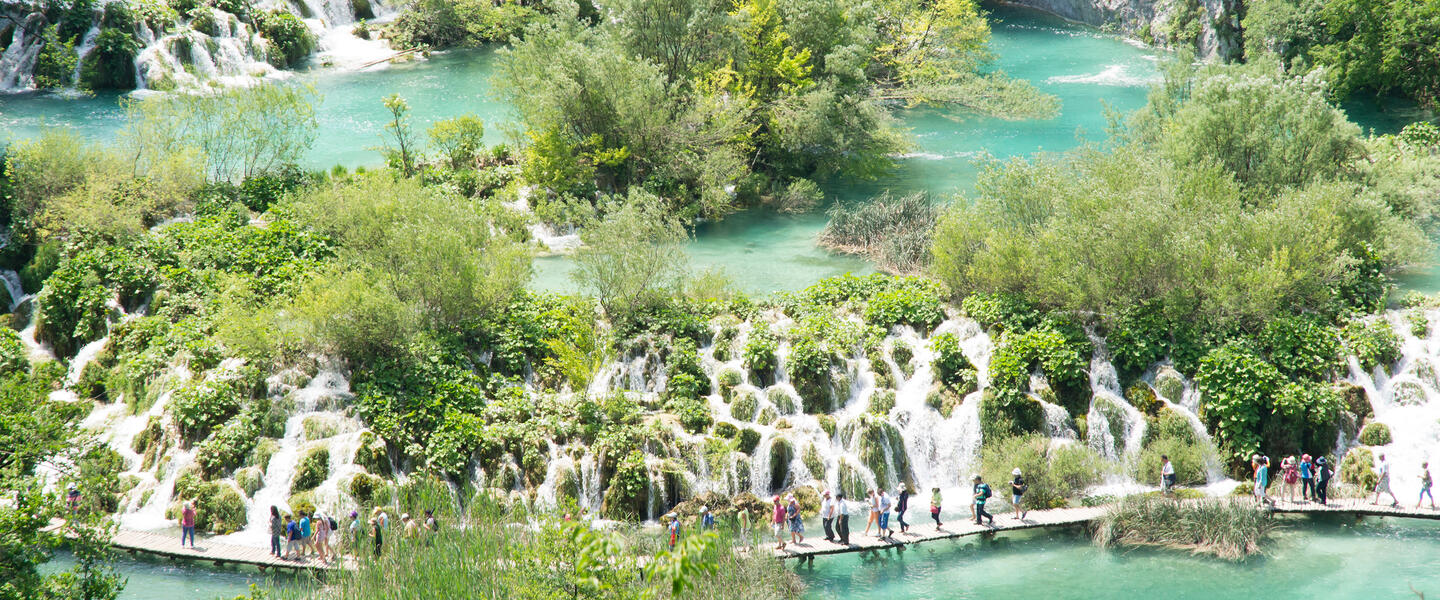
827,516
884,515
842,518
1383,483
1167,475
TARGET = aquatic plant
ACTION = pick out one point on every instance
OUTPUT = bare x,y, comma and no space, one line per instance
1226,528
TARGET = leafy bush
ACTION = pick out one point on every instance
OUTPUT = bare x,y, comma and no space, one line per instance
219,507
745,407
111,64
1054,474
200,408
1143,398
1237,387
952,368
694,413
1375,434
249,480
1301,347
1138,338
808,367
260,190
448,23
459,139
1358,468
312,470
759,355
1004,311
909,301
13,355
1186,455
749,439
1007,414
1062,355
1373,342
365,489
55,64
290,37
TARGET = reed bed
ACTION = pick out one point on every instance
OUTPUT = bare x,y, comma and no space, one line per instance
893,231
1227,528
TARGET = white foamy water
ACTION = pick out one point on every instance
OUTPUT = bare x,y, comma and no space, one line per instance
1112,75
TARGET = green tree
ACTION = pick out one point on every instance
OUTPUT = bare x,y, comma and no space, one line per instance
633,257
458,139
402,155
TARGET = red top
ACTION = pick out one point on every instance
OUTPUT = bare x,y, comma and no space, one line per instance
187,517
779,513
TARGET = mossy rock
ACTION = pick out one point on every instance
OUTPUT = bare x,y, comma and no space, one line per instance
1424,370
366,489
767,416
782,424
878,443
219,507
781,453
1375,434
727,381
726,430
881,402
318,427
782,401
745,407
806,496
505,476
567,485
1115,417
813,462
839,389
1358,468
261,453
301,503
742,472
372,453
904,357
249,480
945,400
827,424
748,439
1408,393
627,493
852,480
1356,401
1170,384
1144,399
312,470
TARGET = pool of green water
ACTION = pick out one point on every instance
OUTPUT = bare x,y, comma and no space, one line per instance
1314,558
151,578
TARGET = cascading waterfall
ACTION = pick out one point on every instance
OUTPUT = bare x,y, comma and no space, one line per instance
1404,398
1109,412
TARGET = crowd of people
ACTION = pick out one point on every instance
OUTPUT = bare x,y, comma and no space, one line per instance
1312,477
312,533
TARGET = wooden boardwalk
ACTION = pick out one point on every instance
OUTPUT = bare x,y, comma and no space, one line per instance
168,545
1358,506
925,531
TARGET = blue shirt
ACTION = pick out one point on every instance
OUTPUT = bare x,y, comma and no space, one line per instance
708,522
1304,470
304,527
293,530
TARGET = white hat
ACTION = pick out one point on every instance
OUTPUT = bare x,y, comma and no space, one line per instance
71,486
405,517
1016,471
704,509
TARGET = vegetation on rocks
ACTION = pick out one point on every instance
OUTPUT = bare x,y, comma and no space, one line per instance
1225,528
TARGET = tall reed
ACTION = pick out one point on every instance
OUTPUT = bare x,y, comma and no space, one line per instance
1228,528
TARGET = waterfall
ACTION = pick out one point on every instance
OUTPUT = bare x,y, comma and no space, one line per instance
17,63
12,285
1107,406
1404,398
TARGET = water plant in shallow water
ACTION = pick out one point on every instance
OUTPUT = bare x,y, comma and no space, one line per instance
1226,528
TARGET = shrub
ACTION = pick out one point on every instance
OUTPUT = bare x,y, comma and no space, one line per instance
1186,456
55,64
1227,528
312,470
1063,359
1237,388
1054,474
1373,342
1143,398
263,189
111,64
726,430
809,366
13,356
728,380
249,480
952,368
1006,312
909,301
892,231
290,37
1358,468
759,355
199,408
372,454
1006,414
1138,338
219,507
745,407
694,413
1375,434
1302,346
365,489
239,8
459,139
749,439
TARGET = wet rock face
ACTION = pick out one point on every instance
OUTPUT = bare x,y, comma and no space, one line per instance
1209,26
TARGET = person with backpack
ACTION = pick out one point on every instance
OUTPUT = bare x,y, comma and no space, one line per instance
1425,483
277,531
1323,473
935,507
322,537
1290,476
982,494
1018,487
707,519
292,538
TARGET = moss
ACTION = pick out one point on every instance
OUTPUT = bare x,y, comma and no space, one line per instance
366,489
1143,398
1356,401
781,453
219,507
318,427
852,480
744,408
1171,386
904,357
748,440
813,462
827,424
881,402
766,416
728,380
1358,468
1408,393
726,430
1375,434
303,502
782,401
881,448
260,455
1425,372
312,470
249,480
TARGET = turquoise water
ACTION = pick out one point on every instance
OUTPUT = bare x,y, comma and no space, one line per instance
1315,558
153,578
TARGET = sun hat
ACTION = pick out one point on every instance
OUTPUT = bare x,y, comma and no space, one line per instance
405,517
1016,471
354,514
704,509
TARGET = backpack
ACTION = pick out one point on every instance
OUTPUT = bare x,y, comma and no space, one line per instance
334,525
984,491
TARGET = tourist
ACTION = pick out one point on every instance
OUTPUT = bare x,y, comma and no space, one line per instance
292,538
935,507
187,524
1262,478
1255,474
432,526
72,498
1382,485
1323,473
827,516
277,530
874,502
1425,483
1017,493
378,521
707,520
792,514
777,523
902,503
353,542
412,527
982,493
746,533
883,503
322,537
674,528
842,519
1167,476
1307,478
1291,471
306,541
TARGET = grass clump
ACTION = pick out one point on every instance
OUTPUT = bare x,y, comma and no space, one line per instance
1224,528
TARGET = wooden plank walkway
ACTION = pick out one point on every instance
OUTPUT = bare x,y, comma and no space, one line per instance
1358,506
168,545
815,544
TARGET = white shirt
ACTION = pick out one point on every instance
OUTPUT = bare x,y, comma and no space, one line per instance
884,502
1169,469
844,507
1384,470
827,509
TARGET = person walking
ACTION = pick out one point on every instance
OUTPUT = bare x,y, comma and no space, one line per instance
322,537
674,528
72,498
277,531
1291,472
1382,485
1018,488
1425,483
379,522
1307,478
307,540
292,538
935,506
777,523
187,524
874,503
353,540
707,520
1323,473
827,516
842,519
884,504
982,494
1167,476
742,517
902,503
797,526
1262,479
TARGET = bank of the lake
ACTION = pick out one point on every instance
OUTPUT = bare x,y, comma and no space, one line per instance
153,578
1318,558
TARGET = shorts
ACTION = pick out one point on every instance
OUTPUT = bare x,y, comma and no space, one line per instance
1015,499
779,528
1383,486
885,520
1169,480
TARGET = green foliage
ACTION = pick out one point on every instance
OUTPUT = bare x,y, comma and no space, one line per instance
744,408
1238,388
1138,338
1007,312
632,257
759,354
1058,350
1375,434
749,439
111,64
1006,414
1358,468
219,507
1054,474
13,355
366,489
1302,347
1225,528
198,409
290,38
461,23
892,231
1373,342
312,470
458,139
908,301
951,366
55,64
